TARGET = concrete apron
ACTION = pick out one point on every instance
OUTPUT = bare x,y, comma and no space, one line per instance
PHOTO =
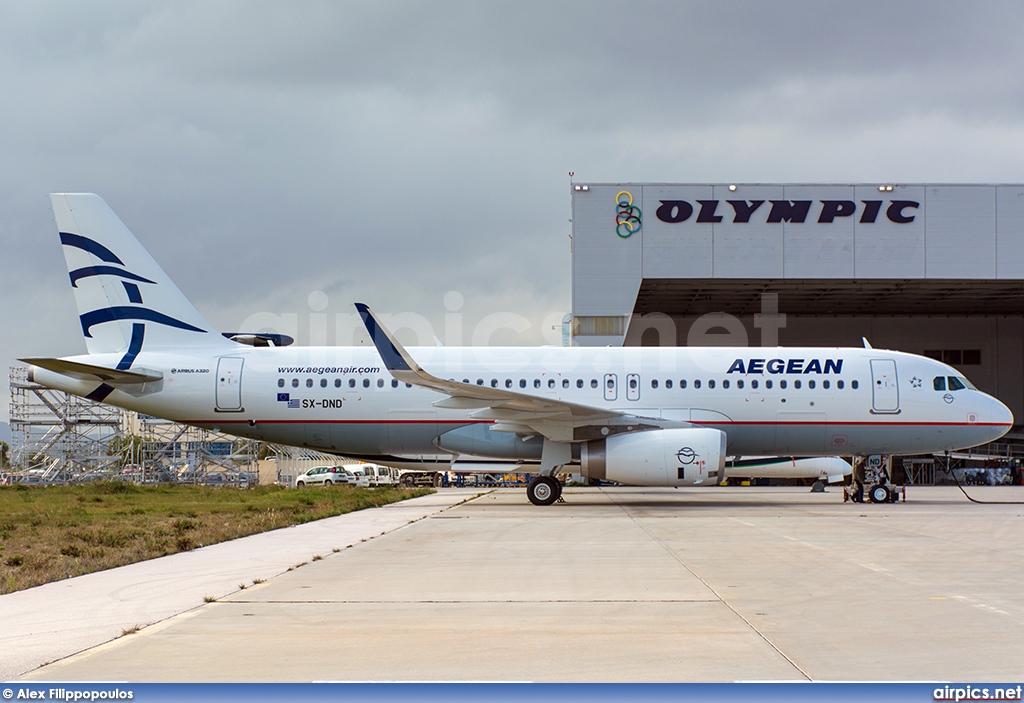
712,584
55,620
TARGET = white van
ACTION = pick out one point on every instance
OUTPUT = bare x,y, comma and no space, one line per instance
373,475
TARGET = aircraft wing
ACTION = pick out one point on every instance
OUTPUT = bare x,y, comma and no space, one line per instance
521,413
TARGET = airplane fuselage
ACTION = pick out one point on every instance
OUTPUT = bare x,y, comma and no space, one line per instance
778,401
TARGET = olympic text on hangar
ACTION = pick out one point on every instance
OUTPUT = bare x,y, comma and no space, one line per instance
778,211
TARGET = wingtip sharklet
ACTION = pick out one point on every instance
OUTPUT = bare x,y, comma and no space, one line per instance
391,352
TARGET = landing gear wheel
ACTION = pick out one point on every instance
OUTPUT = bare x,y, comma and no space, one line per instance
880,494
543,490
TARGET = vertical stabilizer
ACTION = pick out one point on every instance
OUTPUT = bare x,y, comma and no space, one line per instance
125,300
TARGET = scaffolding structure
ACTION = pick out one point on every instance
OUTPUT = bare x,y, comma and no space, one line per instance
57,437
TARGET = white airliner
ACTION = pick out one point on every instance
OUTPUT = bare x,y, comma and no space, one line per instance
641,416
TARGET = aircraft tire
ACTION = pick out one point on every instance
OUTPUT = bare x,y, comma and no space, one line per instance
543,490
880,494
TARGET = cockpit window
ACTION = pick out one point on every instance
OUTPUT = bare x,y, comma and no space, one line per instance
955,384
939,383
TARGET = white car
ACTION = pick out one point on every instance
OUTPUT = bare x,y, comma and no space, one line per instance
325,476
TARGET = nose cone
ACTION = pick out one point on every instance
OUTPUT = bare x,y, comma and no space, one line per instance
999,418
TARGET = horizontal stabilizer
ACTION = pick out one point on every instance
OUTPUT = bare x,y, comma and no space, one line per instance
88,372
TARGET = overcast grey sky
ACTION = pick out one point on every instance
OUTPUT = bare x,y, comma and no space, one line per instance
391,152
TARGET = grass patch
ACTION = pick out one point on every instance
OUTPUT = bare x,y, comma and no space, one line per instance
53,533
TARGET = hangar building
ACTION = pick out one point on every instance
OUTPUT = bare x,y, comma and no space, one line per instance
936,270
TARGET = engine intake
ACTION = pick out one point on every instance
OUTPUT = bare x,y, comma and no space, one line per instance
678,457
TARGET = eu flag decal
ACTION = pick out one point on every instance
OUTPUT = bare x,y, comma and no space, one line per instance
282,397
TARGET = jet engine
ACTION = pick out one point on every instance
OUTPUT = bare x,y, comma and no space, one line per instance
677,457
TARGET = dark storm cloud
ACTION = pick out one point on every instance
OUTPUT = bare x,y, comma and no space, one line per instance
394,151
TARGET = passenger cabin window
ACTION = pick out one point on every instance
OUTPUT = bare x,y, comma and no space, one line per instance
295,383
579,383
839,384
551,383
366,383
351,383
796,384
711,383
739,383
810,384
536,383
826,384
323,383
508,383
855,384
696,383
682,383
768,383
593,383
632,384
280,383
337,383
309,383
668,383
754,383
394,383
565,383
782,383
380,383
654,384
494,383
522,383
725,383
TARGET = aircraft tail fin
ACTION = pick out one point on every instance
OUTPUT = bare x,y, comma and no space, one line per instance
125,300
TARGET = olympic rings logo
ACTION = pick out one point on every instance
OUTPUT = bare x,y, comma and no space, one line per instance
627,215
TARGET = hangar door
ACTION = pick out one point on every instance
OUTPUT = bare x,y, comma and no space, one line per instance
885,395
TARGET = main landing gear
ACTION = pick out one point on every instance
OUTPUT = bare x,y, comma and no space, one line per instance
544,490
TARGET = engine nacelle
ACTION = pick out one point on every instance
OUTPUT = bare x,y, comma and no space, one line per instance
679,457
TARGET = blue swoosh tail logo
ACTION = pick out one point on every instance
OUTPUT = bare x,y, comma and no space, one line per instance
127,312
90,245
